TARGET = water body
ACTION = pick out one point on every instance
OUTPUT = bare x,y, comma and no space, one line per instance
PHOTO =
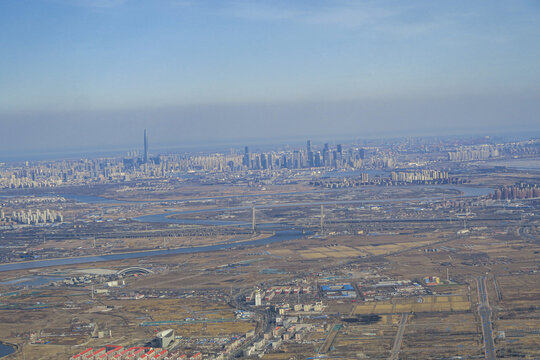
355,173
32,281
283,232
166,217
101,200
530,164
279,236
89,199
5,350
466,190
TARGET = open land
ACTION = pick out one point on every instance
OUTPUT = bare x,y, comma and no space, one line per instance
389,272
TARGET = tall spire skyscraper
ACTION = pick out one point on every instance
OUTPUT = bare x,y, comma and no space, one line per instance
246,160
145,147
310,162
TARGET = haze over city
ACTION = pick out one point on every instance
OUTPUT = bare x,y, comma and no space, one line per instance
275,180
87,74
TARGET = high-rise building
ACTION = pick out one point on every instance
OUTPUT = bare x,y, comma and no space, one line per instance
246,161
317,159
258,298
269,160
297,159
326,155
362,153
145,147
256,163
309,154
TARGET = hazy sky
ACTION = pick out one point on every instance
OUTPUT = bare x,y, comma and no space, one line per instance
91,73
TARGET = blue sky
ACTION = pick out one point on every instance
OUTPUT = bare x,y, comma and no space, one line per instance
98,71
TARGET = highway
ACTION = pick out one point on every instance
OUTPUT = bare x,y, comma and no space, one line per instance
485,317
399,337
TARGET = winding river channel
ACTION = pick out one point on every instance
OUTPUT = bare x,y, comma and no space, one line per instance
280,232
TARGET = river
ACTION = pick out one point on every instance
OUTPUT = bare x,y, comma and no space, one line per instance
90,199
279,236
282,232
5,350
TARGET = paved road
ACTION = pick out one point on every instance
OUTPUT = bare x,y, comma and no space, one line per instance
265,321
330,339
399,337
485,315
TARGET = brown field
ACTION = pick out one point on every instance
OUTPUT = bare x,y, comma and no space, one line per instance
342,251
428,304
68,310
519,290
431,336
373,340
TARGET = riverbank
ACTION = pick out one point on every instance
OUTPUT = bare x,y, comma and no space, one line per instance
282,233
7,349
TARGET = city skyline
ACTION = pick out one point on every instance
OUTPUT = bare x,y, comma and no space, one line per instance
239,146
89,74
269,179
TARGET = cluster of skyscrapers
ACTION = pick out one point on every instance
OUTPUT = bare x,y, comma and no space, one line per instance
421,176
518,191
378,155
32,217
489,151
308,158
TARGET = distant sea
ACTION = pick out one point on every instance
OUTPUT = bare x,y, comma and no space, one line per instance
527,164
58,155
227,145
